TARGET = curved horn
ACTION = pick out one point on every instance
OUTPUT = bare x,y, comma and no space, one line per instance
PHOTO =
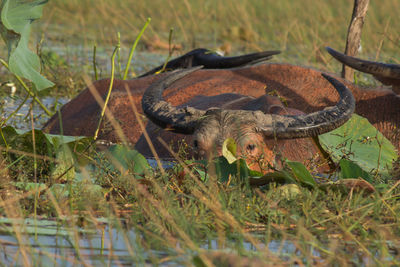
185,120
375,68
313,124
211,60
162,113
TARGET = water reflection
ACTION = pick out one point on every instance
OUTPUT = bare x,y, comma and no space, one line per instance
51,244
46,242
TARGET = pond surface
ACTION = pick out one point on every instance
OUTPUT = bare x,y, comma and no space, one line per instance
22,118
47,243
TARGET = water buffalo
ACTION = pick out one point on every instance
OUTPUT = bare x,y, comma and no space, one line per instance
303,90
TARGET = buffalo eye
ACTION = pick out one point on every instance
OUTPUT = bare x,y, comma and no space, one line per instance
251,147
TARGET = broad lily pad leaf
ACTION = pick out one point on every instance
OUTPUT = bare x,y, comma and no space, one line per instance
15,27
294,173
23,140
123,158
70,147
62,148
229,150
349,169
357,140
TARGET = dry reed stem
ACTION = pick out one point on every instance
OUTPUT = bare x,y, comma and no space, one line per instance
143,128
125,237
171,220
75,234
18,152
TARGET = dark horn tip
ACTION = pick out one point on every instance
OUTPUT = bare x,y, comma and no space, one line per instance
329,49
337,84
274,52
343,91
332,52
329,78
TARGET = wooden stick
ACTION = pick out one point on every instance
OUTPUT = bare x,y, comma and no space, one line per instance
354,34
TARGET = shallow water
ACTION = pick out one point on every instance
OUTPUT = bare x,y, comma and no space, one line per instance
73,55
83,56
22,119
49,243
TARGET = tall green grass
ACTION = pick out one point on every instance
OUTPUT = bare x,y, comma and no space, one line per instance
300,28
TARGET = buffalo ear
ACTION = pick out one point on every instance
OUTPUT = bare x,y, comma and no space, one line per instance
267,104
271,105
394,82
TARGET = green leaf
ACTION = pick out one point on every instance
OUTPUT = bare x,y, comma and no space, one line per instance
295,172
280,177
123,158
357,140
6,135
301,173
202,173
71,145
15,27
63,148
198,262
349,169
238,169
30,186
229,150
65,159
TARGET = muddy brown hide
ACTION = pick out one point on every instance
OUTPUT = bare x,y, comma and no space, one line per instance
81,115
302,88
